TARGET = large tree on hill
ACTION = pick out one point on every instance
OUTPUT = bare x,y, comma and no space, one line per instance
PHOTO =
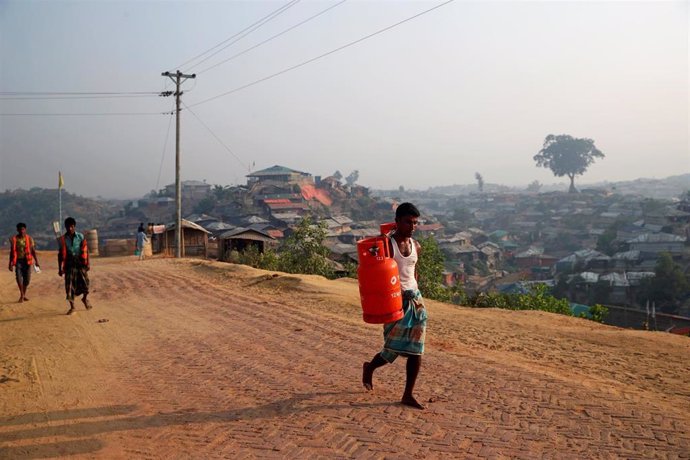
567,156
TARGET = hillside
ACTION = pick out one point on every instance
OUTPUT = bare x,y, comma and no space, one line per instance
39,208
666,188
192,358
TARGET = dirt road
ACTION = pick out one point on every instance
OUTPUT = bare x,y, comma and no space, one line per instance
196,359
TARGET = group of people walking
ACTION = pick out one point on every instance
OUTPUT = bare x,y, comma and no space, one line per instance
404,337
73,262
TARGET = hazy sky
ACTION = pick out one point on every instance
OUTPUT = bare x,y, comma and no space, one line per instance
469,87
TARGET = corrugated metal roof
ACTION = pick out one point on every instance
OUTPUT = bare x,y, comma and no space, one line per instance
275,170
242,233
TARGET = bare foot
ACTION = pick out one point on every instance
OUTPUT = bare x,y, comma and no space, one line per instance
70,311
410,401
21,299
367,375
26,299
87,304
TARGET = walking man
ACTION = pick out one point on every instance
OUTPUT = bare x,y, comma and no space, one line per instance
22,259
404,337
73,262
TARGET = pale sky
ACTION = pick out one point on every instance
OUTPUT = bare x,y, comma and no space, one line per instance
469,87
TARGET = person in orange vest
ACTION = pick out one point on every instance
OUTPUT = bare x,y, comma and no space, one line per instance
404,337
73,262
22,259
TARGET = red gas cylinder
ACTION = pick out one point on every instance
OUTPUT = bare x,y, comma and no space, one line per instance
379,283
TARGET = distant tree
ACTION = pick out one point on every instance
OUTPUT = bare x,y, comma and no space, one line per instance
606,241
462,214
205,205
352,178
534,186
668,287
430,270
565,155
219,192
401,189
338,175
304,252
480,182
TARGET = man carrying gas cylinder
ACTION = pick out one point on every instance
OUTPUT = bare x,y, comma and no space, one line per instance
404,337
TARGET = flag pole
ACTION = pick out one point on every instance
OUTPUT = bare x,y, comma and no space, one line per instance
60,184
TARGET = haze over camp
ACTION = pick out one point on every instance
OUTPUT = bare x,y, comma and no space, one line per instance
344,229
464,87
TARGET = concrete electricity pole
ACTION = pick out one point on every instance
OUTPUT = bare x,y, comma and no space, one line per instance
177,78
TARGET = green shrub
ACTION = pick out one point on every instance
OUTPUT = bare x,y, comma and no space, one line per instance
537,299
598,313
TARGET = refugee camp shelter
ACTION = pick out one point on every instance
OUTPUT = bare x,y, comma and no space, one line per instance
194,240
240,239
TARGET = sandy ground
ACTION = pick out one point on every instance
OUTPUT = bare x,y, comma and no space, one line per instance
199,359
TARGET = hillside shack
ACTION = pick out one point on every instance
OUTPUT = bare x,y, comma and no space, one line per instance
240,239
194,240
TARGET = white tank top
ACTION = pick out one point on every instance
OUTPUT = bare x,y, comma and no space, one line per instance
406,265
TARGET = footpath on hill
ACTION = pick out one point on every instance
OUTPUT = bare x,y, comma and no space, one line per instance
200,359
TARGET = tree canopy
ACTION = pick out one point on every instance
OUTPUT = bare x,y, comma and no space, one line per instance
669,287
565,155
304,252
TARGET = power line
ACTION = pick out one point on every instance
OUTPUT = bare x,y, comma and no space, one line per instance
165,145
256,25
216,137
45,98
309,61
67,93
85,114
273,37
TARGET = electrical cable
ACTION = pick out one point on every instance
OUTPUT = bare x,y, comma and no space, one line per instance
76,93
273,37
216,137
46,98
309,61
256,24
85,114
165,145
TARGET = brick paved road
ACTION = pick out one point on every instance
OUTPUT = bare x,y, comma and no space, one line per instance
192,364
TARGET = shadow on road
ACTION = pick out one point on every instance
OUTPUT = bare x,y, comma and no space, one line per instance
57,449
68,414
305,402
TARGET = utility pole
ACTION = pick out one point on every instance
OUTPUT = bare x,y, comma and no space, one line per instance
177,78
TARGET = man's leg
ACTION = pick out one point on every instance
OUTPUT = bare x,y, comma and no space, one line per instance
20,282
69,290
368,370
26,279
86,303
414,363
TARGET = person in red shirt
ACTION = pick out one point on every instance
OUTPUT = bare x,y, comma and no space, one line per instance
22,259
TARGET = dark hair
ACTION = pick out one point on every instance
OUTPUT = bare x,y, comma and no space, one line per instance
70,221
406,209
141,228
21,225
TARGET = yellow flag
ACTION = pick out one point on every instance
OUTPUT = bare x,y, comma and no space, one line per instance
61,183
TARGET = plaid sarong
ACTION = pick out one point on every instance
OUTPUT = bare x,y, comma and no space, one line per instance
76,280
406,336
